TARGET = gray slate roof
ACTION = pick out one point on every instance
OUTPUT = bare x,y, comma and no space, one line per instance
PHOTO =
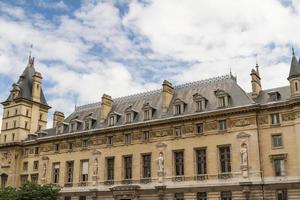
295,67
184,92
264,97
25,84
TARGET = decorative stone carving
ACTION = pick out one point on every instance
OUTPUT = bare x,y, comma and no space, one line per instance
211,126
288,117
244,159
242,135
263,120
119,138
243,122
160,167
6,159
95,167
137,136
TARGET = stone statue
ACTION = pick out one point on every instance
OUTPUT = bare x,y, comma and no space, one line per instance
160,162
44,170
95,167
244,154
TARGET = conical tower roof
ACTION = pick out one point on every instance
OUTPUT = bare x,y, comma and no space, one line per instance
295,67
25,82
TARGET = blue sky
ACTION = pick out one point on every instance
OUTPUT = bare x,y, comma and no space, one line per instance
87,48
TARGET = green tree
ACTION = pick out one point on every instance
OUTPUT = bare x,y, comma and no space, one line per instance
30,191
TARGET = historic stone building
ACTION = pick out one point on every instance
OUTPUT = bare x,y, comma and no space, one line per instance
201,140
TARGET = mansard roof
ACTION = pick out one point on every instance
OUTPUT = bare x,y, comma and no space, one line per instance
25,84
264,97
184,92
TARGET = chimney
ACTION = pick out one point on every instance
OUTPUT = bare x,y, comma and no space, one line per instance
167,95
57,118
255,82
36,87
106,106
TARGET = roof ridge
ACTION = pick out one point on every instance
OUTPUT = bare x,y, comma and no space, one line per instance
147,93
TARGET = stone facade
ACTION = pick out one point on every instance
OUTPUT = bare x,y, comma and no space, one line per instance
202,140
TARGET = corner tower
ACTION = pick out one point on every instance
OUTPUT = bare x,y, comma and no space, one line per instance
294,76
25,110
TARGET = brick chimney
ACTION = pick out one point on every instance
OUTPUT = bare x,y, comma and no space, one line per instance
167,93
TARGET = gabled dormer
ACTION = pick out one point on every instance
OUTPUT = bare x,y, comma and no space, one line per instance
200,102
113,118
130,114
274,96
178,107
75,124
223,98
148,111
62,127
89,121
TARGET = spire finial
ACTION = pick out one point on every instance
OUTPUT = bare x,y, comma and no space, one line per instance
30,59
230,70
293,51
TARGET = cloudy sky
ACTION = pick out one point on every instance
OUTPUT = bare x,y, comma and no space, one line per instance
87,48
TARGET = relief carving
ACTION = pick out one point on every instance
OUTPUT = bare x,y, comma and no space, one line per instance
211,126
137,136
243,122
263,119
288,117
78,143
6,158
119,138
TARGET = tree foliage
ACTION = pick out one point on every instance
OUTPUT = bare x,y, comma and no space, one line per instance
30,191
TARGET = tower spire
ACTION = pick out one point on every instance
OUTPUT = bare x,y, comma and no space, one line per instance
293,51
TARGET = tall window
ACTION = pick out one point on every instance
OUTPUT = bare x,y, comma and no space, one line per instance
82,197
222,102
84,170
296,86
201,161
179,163
201,105
24,179
201,196
281,195
127,167
129,117
178,196
36,150
56,147
26,125
112,120
110,140
178,131
70,169
127,138
224,154
4,178
279,167
15,123
25,166
178,110
147,115
13,137
199,128
275,119
146,136
5,138
35,165
27,112
222,124
110,168
226,195
34,178
56,172
277,140
146,166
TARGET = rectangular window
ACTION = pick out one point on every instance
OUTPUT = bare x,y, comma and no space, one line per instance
5,138
226,195
277,140
15,123
24,179
82,198
34,178
13,137
201,105
178,110
84,143
146,136
146,166
128,117
225,162
67,198
70,145
281,195
112,120
110,168
70,170
84,170
110,140
279,167
179,163
35,165
127,167
201,161
199,127
178,196
201,196
16,111
127,138
25,166
222,124
178,131
56,167
275,119
222,102
146,114
36,150
56,147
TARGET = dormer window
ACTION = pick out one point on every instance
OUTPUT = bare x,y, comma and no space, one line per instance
223,98
274,95
179,106
89,122
75,124
130,114
148,111
61,127
200,102
113,118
